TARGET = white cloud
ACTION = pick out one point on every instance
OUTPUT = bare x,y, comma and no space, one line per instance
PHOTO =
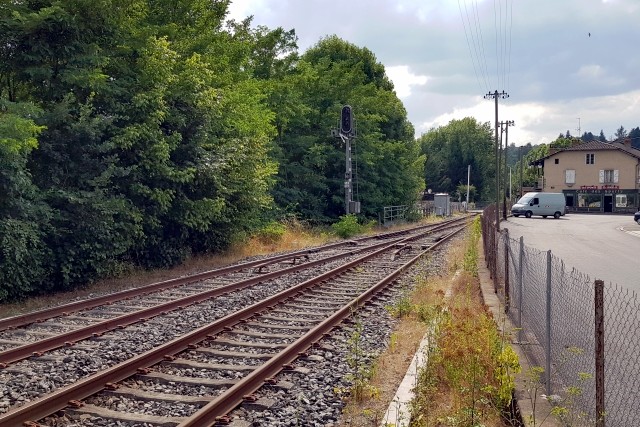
553,71
403,79
590,71
241,9
541,123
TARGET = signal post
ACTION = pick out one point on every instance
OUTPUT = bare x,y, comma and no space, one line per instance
346,132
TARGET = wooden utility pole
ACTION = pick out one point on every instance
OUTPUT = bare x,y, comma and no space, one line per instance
495,95
505,127
521,173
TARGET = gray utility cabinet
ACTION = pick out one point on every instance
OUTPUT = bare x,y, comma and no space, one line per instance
442,203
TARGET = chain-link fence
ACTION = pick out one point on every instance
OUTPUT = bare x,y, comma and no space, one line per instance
554,308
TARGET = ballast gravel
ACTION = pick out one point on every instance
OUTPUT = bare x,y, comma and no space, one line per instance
314,391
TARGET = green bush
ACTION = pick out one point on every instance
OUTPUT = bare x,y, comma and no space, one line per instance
272,232
23,258
348,226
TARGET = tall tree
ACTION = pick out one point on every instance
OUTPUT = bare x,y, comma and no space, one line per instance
155,133
450,149
312,164
621,133
24,219
56,54
634,136
601,137
588,136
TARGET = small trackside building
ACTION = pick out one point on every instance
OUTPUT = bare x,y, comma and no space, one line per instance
594,176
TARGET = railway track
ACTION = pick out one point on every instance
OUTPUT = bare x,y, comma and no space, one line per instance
227,353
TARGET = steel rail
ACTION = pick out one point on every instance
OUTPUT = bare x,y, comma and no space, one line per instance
36,348
235,395
62,310
15,354
46,405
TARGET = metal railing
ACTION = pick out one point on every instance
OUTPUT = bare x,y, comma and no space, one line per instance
402,213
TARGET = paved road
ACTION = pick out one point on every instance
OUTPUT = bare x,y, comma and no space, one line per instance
605,247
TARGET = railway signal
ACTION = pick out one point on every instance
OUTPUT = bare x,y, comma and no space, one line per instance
346,132
346,120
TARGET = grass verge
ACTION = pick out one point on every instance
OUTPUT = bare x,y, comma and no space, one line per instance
469,377
288,236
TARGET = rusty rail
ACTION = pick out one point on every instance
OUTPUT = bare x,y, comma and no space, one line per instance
46,405
234,396
62,310
38,347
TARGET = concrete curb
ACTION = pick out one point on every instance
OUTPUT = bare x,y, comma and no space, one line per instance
398,414
531,407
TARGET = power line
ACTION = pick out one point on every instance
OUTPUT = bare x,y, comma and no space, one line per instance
481,44
503,29
509,54
495,25
473,62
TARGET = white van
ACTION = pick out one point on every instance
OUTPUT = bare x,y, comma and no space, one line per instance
543,204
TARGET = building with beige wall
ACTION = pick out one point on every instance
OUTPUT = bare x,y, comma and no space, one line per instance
594,176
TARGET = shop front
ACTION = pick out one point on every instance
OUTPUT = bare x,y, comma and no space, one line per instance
603,198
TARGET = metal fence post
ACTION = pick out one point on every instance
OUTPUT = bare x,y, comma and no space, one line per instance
507,287
520,287
599,331
548,327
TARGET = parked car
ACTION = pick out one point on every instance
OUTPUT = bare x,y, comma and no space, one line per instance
636,217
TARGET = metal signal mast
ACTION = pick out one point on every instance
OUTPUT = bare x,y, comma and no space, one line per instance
346,132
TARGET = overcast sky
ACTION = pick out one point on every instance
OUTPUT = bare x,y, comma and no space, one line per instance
444,55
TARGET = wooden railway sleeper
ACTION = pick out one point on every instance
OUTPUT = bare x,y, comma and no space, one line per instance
76,404
297,258
402,248
260,268
224,420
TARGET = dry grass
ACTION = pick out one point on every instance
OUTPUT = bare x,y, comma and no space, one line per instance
392,365
442,402
295,236
469,377
452,385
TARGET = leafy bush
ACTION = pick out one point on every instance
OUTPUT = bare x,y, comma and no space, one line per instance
22,259
272,232
348,226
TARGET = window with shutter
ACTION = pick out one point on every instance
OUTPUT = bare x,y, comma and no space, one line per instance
570,176
610,176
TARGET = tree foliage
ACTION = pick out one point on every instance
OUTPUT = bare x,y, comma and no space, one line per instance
138,132
450,149
152,142
387,161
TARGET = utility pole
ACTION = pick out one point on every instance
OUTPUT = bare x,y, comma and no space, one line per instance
505,127
510,186
521,172
495,95
466,206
